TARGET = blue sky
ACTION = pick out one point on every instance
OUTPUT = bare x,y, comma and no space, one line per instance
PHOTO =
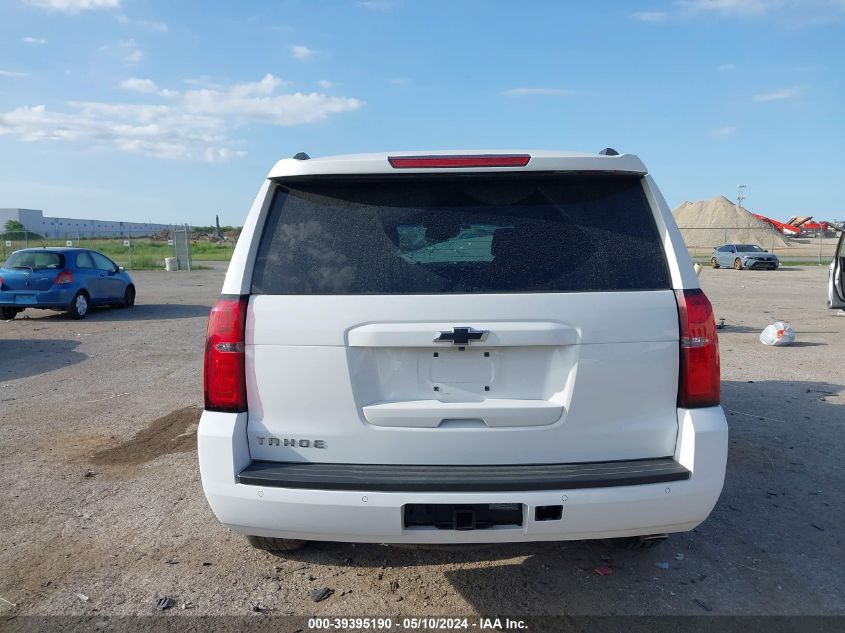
174,111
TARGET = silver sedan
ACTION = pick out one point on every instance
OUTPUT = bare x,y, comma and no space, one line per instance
743,256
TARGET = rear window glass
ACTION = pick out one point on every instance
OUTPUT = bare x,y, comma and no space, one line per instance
461,234
35,260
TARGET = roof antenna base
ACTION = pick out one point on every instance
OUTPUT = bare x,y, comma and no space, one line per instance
301,156
608,151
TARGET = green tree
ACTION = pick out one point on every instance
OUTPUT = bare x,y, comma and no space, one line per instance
15,231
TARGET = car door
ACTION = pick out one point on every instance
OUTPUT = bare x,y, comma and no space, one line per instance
730,252
89,276
721,255
836,277
113,286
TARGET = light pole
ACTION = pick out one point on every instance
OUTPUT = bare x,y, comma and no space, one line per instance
740,194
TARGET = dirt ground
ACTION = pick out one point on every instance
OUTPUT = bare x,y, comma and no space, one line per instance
103,513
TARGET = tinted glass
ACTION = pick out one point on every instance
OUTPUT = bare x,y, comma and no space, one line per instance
36,260
102,262
528,233
748,248
83,260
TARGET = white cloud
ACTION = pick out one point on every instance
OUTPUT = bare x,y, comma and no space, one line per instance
220,154
819,12
728,7
529,92
778,95
325,84
33,40
256,101
728,130
132,54
194,124
12,73
127,50
651,16
139,85
74,6
302,52
726,67
153,130
797,13
204,82
150,25
378,5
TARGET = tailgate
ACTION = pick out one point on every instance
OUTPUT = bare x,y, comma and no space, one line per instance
462,321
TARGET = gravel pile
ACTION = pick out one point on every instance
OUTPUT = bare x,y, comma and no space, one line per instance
717,221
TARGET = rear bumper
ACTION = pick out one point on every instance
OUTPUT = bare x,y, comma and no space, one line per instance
376,516
439,479
56,298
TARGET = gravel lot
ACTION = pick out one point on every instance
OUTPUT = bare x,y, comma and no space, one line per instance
103,511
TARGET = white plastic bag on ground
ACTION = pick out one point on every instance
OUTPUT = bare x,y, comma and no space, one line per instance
780,333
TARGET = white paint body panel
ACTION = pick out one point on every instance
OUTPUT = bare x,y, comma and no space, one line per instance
377,163
561,377
301,348
836,277
376,517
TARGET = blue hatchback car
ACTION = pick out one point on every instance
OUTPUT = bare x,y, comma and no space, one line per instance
69,279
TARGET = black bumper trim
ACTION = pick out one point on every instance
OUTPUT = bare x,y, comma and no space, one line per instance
401,478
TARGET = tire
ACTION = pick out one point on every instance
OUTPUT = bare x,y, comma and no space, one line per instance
636,543
9,313
79,306
738,264
714,263
278,546
129,297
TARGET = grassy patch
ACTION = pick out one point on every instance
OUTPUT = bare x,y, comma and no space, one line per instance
212,252
147,254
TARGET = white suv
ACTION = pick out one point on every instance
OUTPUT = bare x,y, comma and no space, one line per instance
461,348
836,276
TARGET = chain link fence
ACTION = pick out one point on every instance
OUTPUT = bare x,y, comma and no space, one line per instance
135,250
817,247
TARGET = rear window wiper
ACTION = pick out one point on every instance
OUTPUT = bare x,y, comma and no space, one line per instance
19,267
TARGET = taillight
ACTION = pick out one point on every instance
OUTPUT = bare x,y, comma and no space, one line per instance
224,375
64,277
698,384
488,160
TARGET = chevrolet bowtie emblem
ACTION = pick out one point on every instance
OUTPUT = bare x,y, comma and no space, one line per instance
461,336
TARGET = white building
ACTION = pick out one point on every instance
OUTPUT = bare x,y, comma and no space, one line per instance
34,220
